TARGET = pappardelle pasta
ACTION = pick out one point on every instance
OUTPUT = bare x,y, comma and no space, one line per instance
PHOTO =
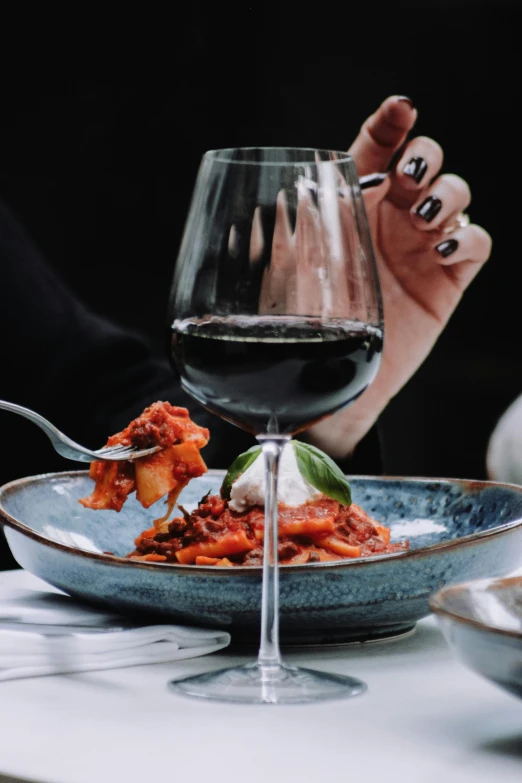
164,473
213,535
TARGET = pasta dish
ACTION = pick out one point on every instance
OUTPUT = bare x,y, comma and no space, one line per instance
312,533
226,529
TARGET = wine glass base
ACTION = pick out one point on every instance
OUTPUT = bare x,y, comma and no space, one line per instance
273,684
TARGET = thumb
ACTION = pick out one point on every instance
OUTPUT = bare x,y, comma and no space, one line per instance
382,134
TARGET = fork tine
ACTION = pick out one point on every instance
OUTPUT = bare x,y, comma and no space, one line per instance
115,450
125,453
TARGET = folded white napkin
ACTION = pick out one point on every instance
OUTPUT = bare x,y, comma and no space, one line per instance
49,633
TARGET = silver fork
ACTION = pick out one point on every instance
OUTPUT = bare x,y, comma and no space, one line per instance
71,450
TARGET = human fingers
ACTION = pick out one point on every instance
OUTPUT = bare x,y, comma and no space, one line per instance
382,134
419,163
465,251
437,204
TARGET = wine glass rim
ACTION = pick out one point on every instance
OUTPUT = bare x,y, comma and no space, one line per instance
223,156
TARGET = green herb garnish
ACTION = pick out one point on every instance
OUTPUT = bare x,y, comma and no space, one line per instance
322,473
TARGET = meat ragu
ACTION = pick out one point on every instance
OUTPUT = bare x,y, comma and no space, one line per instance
214,534
164,473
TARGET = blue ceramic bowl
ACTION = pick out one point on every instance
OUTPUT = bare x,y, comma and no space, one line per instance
458,530
482,621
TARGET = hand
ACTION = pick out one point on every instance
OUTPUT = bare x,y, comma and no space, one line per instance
423,269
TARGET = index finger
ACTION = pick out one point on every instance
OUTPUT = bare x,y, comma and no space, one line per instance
382,134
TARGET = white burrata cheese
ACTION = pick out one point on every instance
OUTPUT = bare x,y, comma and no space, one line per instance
249,489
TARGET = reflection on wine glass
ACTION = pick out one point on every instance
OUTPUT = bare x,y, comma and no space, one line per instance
276,322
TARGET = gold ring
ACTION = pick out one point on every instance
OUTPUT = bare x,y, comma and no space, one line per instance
461,221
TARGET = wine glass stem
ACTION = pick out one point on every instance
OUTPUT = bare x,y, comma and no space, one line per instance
269,654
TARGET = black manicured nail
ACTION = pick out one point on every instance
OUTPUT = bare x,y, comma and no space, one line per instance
447,247
429,208
416,168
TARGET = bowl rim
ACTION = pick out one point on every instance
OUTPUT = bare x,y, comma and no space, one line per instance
7,519
437,606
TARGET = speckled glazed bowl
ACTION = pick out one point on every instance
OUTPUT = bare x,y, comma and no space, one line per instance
458,530
482,621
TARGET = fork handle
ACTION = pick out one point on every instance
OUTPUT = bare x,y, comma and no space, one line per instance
62,444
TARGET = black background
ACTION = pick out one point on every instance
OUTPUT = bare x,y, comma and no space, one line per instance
102,129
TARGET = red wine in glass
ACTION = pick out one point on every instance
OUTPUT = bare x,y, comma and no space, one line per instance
264,375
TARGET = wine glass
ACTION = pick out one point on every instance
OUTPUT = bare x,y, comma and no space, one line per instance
276,322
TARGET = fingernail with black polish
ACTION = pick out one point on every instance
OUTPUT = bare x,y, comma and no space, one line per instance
447,247
429,208
416,168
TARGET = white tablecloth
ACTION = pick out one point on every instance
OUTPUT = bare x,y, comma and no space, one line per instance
424,718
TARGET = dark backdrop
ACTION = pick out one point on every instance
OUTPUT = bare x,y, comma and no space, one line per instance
101,134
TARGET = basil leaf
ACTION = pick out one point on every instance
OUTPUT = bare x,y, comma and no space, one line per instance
322,473
238,467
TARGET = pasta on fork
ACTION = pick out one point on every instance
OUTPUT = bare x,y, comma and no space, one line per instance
164,473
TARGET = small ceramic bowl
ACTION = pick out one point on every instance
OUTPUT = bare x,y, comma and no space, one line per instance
458,530
482,621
